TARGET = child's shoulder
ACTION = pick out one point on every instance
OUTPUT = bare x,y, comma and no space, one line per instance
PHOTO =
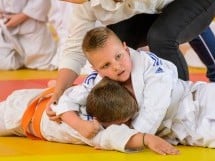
91,77
144,55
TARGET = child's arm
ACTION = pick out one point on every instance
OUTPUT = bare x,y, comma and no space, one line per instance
14,20
153,142
87,129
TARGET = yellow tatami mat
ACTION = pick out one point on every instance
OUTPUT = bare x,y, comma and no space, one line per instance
26,74
17,148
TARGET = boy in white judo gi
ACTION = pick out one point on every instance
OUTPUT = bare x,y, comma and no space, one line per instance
179,111
25,40
15,111
22,114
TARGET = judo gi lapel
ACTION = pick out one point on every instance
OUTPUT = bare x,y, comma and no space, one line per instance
137,75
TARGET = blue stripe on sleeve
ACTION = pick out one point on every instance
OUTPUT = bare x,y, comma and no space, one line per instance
90,77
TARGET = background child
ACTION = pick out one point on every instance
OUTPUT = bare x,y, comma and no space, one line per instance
25,40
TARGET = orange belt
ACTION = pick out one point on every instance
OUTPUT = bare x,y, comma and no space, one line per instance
33,114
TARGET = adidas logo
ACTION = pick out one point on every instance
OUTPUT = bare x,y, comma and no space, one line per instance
159,70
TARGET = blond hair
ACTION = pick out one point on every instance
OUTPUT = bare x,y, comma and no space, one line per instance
96,38
109,101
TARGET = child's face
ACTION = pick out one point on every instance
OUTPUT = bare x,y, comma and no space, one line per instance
113,60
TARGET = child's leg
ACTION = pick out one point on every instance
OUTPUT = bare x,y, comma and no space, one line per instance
205,123
3,130
39,52
12,110
12,59
6,130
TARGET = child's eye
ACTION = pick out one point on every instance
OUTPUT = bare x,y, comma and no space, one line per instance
118,56
105,66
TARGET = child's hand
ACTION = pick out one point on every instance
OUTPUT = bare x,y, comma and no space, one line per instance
89,129
52,115
14,20
159,145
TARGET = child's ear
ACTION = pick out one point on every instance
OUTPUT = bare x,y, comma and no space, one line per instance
125,46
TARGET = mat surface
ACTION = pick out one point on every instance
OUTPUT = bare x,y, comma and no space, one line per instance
17,148
13,149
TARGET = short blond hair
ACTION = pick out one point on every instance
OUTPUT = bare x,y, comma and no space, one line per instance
96,38
109,101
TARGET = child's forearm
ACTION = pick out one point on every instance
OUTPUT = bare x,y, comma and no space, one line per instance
86,128
155,143
135,142
14,20
72,119
23,17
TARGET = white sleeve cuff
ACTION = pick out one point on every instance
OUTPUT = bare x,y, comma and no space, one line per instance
62,109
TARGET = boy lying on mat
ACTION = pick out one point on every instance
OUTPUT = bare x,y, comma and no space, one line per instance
23,114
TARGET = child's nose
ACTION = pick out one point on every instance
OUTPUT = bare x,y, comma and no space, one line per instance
116,66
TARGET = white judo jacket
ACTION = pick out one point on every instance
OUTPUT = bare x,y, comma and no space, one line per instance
13,108
179,111
29,44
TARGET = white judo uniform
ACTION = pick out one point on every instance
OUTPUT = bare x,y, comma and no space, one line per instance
60,16
13,108
179,111
29,44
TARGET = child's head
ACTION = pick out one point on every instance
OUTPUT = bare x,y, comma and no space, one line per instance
107,54
111,103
